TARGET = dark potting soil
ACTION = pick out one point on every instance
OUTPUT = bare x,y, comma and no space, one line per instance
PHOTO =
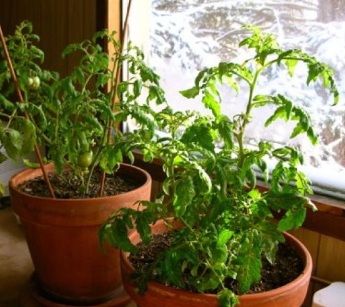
67,187
287,267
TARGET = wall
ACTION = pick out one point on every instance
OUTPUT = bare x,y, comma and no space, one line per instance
57,22
328,255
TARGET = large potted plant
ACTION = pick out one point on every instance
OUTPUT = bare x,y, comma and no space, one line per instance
73,125
220,227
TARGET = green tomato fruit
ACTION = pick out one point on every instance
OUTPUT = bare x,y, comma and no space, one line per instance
30,82
36,83
85,159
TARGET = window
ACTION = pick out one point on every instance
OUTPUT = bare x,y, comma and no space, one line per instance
187,35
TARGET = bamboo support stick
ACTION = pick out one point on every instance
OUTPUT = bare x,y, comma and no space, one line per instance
118,68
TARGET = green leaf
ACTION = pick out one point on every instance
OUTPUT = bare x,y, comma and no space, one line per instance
225,128
209,282
173,263
292,219
156,94
147,74
130,156
315,68
190,93
39,116
291,65
204,176
12,141
137,86
250,254
27,129
183,196
200,134
211,101
143,221
227,298
280,112
224,237
219,255
116,234
110,158
5,104
261,100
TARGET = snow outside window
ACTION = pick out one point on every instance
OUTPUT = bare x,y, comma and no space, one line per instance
188,35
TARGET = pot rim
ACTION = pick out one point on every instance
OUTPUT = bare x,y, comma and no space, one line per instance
16,179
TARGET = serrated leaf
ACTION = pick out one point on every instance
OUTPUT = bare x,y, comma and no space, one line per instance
219,256
211,103
261,100
130,156
209,282
279,113
204,176
117,236
225,129
183,196
250,269
39,114
156,94
173,263
143,222
12,141
224,237
292,219
227,298
137,86
291,66
200,134
6,104
27,129
190,93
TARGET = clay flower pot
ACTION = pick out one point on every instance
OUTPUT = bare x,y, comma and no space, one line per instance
62,236
159,295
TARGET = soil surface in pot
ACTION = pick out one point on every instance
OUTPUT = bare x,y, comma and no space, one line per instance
287,267
65,186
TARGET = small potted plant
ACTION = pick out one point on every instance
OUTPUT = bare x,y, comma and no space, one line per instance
217,226
74,126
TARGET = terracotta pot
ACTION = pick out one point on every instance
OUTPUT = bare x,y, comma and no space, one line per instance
62,237
158,295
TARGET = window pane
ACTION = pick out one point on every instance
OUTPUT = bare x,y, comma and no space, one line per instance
187,35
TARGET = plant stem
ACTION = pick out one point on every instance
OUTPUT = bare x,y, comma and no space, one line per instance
245,120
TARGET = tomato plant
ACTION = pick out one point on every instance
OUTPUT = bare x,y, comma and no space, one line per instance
211,172
74,116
